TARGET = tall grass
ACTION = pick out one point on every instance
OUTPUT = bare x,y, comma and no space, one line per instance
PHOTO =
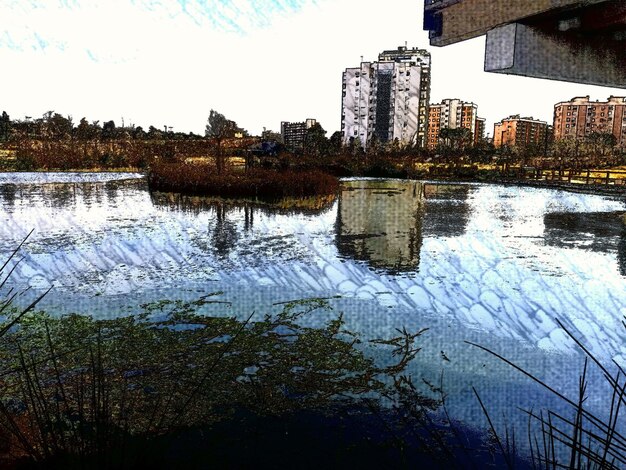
582,440
203,179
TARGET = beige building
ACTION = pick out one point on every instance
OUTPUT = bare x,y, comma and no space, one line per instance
516,131
452,114
579,117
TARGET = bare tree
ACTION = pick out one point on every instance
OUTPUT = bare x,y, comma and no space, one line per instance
219,128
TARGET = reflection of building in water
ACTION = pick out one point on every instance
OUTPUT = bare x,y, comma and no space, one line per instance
380,222
383,222
603,232
446,211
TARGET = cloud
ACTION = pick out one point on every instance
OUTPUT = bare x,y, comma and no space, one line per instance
121,30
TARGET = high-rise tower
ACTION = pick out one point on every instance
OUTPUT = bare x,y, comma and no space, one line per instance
387,99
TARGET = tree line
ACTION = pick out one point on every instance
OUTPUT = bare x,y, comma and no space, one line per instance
54,141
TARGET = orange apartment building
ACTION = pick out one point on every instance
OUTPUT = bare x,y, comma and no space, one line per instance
516,131
578,118
453,113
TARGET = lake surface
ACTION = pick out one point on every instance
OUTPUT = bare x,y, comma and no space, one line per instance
489,264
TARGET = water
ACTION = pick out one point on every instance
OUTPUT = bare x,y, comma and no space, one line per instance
488,264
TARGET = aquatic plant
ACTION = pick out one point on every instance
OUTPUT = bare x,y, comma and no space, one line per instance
202,179
76,388
582,440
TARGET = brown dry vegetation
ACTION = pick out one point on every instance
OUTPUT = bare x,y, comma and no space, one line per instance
203,179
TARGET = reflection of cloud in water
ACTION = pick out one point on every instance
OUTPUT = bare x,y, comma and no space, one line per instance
486,269
491,268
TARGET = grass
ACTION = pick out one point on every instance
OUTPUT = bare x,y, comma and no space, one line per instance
81,387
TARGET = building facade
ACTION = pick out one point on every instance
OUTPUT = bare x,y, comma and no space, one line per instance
452,114
479,133
580,117
388,99
294,133
516,131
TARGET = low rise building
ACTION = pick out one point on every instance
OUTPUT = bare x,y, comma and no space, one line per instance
517,131
294,133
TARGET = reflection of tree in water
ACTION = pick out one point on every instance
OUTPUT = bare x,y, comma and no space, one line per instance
63,195
621,250
115,189
197,204
383,222
446,210
224,233
60,195
603,232
8,192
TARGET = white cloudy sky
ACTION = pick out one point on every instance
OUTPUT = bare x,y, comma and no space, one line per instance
168,62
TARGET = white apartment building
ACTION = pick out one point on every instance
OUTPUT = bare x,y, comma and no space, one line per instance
387,99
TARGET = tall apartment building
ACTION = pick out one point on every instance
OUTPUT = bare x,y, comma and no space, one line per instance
580,117
479,133
516,131
294,133
388,98
452,114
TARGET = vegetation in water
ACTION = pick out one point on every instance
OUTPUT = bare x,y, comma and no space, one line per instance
203,179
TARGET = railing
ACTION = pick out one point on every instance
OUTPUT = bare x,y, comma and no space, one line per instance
587,177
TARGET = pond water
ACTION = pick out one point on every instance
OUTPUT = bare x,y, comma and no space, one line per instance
489,264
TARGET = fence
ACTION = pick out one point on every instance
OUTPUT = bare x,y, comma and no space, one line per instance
587,176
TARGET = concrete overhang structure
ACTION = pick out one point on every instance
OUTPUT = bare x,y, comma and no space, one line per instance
581,41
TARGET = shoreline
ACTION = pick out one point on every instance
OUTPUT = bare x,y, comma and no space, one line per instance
581,188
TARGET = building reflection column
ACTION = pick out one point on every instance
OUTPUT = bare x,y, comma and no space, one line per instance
380,222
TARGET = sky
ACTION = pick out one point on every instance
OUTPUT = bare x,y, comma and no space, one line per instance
258,62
